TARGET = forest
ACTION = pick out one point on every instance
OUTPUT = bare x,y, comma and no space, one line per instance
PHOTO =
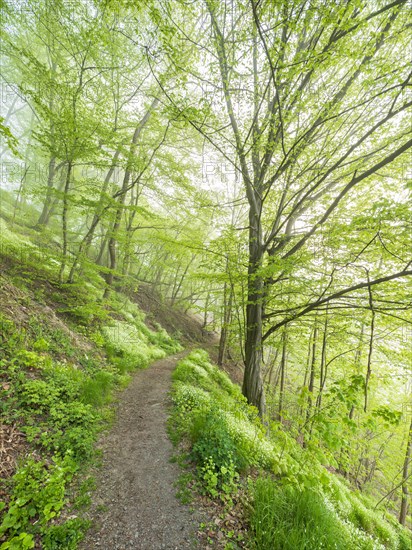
249,161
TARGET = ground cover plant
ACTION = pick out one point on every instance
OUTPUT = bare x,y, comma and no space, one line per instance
295,501
59,368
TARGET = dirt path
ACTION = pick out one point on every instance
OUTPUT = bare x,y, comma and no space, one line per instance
134,505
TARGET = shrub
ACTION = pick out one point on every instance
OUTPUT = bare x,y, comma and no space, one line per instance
38,495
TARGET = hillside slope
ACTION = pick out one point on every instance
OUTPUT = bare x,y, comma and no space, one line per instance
63,352
288,498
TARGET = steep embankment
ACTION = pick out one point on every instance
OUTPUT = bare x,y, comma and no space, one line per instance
63,353
287,498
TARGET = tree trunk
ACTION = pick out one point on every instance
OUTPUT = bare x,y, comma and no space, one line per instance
282,376
252,381
312,372
323,368
224,331
19,194
358,357
88,238
122,197
405,476
45,213
104,239
369,367
64,219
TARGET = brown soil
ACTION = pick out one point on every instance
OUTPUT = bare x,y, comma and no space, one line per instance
134,506
12,444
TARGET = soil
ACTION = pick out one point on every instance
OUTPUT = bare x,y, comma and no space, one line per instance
134,505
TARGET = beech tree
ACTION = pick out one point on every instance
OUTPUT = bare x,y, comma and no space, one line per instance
316,107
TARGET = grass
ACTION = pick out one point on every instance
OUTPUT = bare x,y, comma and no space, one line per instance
284,518
295,502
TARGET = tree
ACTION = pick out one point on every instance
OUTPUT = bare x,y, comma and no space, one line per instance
316,106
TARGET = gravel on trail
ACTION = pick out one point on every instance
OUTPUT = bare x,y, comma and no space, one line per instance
134,505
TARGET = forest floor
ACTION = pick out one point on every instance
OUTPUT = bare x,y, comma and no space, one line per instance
135,504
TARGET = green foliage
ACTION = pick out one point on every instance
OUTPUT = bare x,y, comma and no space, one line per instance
38,494
66,535
211,440
24,541
219,480
131,345
302,506
215,454
284,518
96,390
58,395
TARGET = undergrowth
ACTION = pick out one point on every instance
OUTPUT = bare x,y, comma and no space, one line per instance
57,378
295,502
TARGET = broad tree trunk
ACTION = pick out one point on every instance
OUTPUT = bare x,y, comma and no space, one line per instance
252,381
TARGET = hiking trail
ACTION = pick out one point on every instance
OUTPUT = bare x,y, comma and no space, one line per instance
134,505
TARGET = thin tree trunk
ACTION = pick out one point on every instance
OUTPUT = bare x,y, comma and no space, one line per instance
122,197
26,169
134,201
405,476
369,367
282,369
19,194
64,219
358,356
87,240
206,310
224,331
44,216
177,287
312,372
103,246
309,359
322,373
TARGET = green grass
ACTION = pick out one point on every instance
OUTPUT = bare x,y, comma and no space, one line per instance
285,518
295,502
